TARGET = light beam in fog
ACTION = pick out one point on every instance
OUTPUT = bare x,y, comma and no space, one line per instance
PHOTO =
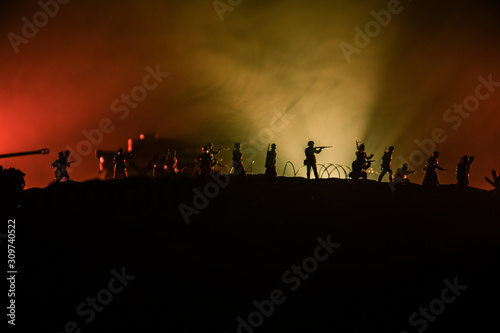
227,77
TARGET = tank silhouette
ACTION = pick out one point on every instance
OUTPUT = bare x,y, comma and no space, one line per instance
42,151
11,179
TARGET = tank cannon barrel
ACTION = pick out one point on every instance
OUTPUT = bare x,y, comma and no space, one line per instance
42,151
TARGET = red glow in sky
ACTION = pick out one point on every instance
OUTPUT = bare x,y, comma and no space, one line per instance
81,80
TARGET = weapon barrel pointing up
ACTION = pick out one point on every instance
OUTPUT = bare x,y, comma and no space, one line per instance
42,151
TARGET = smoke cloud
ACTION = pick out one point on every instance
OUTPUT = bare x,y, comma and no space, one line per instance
228,77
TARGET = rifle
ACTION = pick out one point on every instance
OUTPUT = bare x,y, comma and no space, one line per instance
323,147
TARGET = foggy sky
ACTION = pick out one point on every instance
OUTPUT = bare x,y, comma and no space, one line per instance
227,79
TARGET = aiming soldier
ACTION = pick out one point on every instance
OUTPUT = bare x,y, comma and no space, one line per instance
431,177
310,160
271,171
386,164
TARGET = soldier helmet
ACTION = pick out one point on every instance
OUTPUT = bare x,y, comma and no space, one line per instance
310,143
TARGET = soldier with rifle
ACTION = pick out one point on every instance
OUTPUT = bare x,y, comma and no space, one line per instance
120,164
310,160
386,164
431,176
361,164
204,160
61,166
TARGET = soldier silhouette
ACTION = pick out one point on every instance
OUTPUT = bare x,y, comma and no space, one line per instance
120,165
361,164
310,160
61,166
463,168
271,171
431,177
402,174
386,164
204,160
239,168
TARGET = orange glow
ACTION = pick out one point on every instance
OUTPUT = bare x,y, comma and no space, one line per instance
228,77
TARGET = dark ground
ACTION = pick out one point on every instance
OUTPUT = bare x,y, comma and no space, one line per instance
396,250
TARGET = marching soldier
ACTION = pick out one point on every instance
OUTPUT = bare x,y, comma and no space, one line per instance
61,166
386,164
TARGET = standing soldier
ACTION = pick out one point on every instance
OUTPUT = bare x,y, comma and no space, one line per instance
386,164
310,160
463,169
431,177
239,168
271,171
204,160
120,165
